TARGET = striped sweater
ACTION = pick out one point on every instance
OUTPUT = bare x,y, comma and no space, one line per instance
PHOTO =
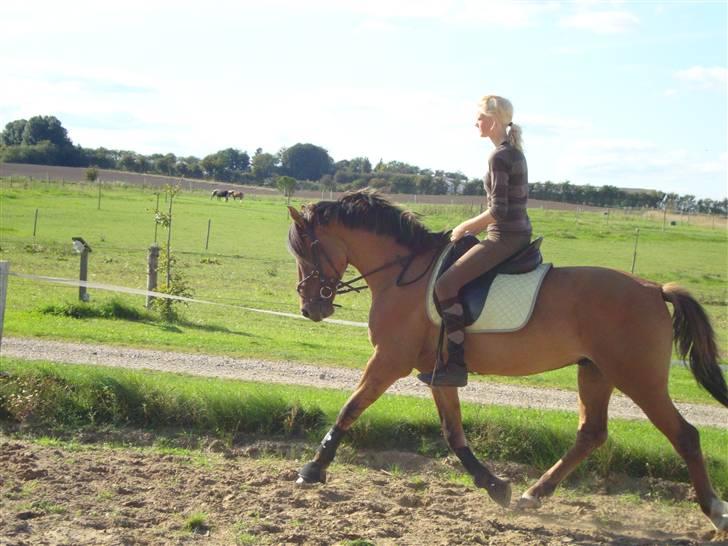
506,188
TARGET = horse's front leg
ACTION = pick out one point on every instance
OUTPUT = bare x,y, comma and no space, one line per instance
448,406
383,369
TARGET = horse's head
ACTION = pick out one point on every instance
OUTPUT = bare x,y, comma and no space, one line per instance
321,260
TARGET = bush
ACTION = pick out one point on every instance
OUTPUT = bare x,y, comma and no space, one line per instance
113,309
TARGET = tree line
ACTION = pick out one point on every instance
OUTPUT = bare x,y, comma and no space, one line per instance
43,140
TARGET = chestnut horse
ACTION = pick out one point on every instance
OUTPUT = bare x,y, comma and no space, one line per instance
614,325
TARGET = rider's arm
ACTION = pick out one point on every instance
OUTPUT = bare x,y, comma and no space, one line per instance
473,225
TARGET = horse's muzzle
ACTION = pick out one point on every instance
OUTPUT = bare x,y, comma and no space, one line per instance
317,310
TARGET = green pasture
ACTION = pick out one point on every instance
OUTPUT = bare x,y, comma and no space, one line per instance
247,264
57,399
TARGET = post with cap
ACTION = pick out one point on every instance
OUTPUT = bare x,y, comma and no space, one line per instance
82,247
4,272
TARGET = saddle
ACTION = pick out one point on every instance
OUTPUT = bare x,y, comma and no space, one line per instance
519,279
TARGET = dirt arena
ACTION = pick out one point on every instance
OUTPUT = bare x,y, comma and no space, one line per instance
89,494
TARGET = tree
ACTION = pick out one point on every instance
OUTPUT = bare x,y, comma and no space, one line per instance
402,183
263,165
40,128
13,133
306,162
92,174
287,186
328,182
473,187
226,164
167,164
359,165
40,140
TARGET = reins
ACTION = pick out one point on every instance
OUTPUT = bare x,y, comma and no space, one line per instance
331,287
405,261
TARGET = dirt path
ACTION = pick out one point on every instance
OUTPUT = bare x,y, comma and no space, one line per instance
93,495
323,376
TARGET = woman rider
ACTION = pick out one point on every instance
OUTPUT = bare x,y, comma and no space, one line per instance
507,224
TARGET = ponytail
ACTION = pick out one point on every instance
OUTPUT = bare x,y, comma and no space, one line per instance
515,138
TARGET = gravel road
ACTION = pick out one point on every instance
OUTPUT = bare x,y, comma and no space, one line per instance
481,392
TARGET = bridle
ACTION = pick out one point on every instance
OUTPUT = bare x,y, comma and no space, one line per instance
331,286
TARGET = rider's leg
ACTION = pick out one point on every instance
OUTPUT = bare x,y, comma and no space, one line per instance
484,256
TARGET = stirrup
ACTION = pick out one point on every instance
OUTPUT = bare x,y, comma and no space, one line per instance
448,376
452,374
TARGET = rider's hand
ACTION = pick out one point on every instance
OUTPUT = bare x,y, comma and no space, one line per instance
458,232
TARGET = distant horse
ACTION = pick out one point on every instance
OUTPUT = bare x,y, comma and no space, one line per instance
221,193
237,195
616,326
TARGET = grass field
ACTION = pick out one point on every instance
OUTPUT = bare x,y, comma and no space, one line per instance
247,265
59,398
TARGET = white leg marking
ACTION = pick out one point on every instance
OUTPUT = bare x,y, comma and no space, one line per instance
719,514
528,502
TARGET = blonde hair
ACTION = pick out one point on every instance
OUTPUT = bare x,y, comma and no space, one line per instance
501,109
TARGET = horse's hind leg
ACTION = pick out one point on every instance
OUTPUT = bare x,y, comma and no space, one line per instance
594,393
684,437
448,406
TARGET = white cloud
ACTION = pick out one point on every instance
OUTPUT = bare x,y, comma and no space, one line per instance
704,77
466,12
601,22
507,14
636,163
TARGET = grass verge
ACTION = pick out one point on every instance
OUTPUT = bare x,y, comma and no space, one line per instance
59,397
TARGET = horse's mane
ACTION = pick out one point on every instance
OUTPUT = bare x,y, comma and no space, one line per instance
371,211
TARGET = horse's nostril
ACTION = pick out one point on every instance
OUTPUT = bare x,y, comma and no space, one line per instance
304,312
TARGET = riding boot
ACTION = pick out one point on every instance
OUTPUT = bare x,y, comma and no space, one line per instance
454,373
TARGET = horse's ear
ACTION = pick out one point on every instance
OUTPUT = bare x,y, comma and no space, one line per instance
296,217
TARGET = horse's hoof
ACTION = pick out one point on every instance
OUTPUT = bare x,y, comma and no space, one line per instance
311,473
528,502
499,490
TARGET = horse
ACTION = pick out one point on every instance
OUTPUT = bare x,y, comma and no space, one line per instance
237,195
221,193
616,326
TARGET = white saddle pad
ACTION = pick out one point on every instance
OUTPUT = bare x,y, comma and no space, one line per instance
510,301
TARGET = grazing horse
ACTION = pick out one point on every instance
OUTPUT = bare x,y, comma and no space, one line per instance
221,193
615,325
237,195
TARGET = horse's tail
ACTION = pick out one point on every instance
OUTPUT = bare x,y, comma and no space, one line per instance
695,340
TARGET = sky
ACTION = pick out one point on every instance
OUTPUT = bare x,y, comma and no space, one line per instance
631,94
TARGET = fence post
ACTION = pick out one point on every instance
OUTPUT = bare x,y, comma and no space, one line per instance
4,272
207,240
83,276
636,239
82,247
156,224
152,263
35,223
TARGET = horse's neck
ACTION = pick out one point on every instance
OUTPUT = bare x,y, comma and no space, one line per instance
367,252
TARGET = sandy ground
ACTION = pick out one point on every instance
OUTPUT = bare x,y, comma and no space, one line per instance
324,376
90,494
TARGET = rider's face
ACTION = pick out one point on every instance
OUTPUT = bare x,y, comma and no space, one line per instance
485,124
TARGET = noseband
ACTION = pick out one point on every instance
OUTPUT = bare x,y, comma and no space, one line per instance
331,286
327,285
